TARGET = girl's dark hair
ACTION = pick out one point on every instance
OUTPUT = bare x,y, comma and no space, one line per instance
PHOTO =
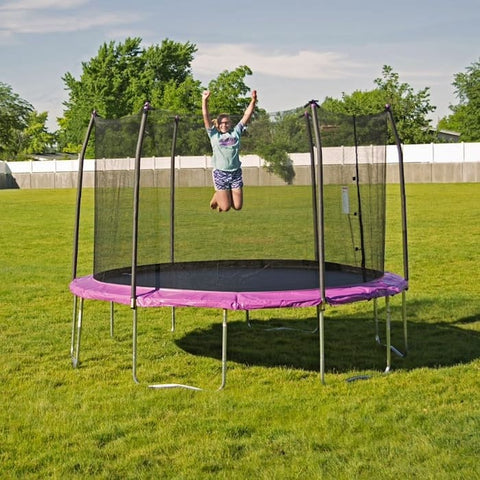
219,118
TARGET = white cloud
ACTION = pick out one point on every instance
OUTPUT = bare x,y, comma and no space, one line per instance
14,22
42,4
47,24
303,64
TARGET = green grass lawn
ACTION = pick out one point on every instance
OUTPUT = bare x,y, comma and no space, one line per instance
274,420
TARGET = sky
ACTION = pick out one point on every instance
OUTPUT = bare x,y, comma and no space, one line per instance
298,50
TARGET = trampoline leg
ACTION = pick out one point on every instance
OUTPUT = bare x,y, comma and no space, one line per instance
321,334
404,320
178,385
247,318
173,320
388,334
375,316
224,350
74,320
76,337
112,319
134,346
377,332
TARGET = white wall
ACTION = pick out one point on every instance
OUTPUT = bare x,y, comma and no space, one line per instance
428,163
425,153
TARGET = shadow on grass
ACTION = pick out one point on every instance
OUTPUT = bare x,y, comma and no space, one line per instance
468,320
349,343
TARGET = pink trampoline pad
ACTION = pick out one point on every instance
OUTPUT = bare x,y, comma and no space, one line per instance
246,286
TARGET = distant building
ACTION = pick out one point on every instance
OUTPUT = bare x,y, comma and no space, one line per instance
448,136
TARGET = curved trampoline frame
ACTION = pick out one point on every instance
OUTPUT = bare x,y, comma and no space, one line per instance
140,291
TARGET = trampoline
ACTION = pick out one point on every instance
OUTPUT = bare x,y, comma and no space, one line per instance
245,283
237,285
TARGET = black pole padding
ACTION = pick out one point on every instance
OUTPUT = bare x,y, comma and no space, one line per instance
314,185
81,162
172,188
136,198
320,214
403,196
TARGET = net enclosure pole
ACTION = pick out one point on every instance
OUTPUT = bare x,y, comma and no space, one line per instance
320,235
320,210
172,202
136,201
76,331
401,173
403,200
136,205
172,189
81,162
313,182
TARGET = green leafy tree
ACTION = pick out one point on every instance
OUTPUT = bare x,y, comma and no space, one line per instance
275,138
120,79
358,103
229,92
14,115
410,108
23,130
466,115
122,76
36,136
181,98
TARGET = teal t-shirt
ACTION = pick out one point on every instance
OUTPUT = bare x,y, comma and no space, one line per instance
226,148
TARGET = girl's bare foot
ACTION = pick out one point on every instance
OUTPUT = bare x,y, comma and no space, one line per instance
213,203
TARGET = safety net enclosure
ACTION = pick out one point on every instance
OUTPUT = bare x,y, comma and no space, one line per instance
315,238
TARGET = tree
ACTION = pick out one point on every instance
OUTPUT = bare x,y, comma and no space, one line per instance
23,130
120,79
466,115
37,139
275,138
410,108
229,90
181,98
14,113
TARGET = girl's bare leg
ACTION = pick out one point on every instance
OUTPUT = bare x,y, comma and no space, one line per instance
237,198
222,199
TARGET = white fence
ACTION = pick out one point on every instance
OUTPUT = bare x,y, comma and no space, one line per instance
425,153
439,163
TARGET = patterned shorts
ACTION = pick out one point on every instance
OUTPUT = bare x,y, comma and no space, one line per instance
224,180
